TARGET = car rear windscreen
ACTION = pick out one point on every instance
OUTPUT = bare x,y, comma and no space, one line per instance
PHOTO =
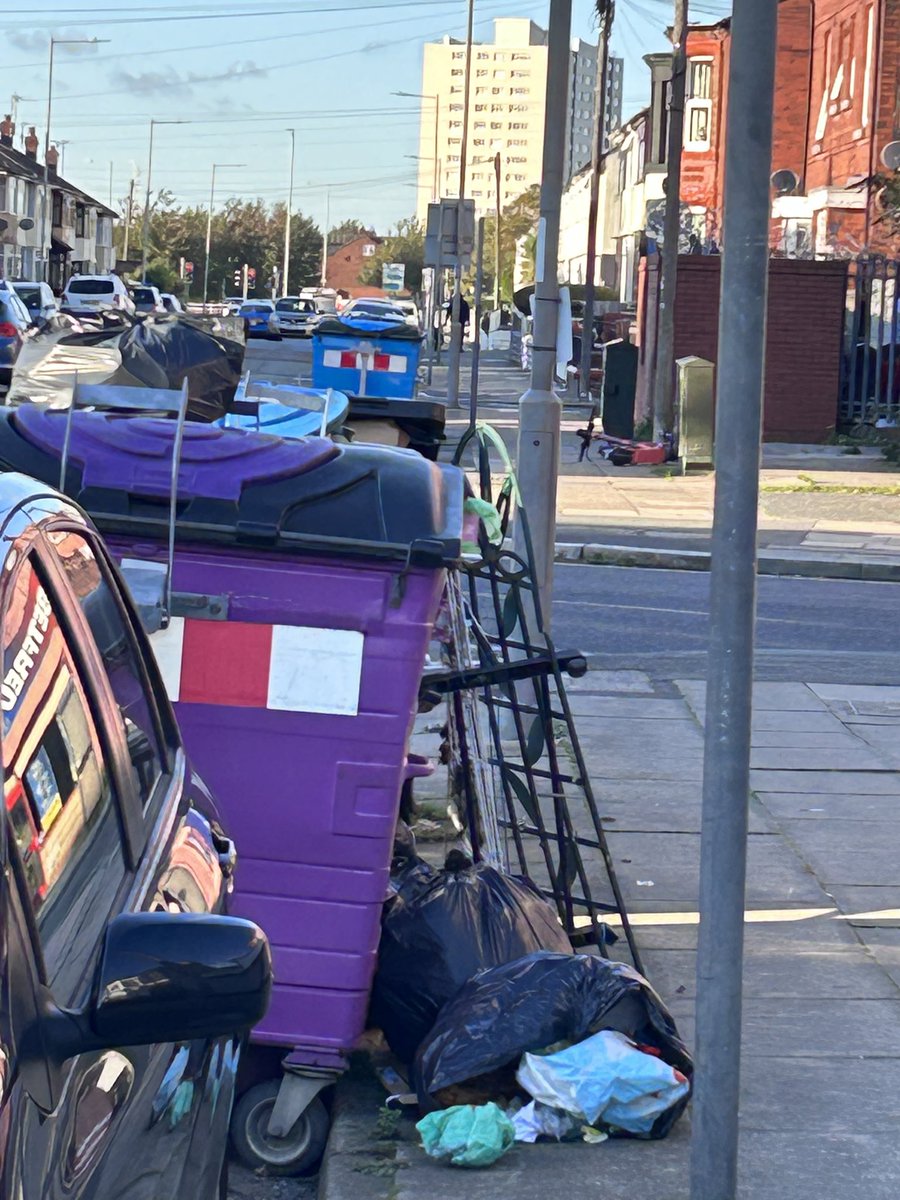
91,287
144,296
29,295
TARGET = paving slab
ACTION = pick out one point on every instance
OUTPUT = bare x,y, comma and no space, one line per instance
661,805
586,705
613,683
847,851
857,757
809,970
643,749
808,739
884,945
883,738
856,693
863,783
672,862
827,806
868,907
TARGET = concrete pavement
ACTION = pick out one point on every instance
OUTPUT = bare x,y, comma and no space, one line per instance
822,981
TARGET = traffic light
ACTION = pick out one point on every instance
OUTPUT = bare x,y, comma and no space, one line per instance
237,277
251,278
188,272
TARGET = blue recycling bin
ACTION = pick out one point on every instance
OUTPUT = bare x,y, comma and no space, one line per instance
365,357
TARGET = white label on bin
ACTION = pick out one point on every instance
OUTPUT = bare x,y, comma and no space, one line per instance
168,646
315,670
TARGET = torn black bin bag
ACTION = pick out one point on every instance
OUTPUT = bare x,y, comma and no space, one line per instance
436,933
533,1004
163,353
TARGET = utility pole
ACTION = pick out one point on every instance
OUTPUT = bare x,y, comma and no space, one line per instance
497,171
540,409
325,237
245,279
664,382
285,275
605,12
456,331
476,348
129,212
732,610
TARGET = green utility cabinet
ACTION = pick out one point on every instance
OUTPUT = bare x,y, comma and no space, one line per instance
696,412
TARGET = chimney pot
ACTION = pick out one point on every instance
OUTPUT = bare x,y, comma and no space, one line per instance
31,143
7,129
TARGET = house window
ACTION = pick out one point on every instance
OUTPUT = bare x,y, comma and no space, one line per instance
499,74
698,115
456,89
457,71
56,219
79,220
456,108
368,250
456,124
30,195
517,91
3,193
699,78
479,141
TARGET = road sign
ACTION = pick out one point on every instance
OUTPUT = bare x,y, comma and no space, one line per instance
443,242
393,276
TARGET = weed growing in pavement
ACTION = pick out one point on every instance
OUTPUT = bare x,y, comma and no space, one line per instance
806,485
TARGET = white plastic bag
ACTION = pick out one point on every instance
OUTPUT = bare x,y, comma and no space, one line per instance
536,1120
604,1078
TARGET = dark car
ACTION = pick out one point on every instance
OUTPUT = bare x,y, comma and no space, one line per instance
125,991
14,321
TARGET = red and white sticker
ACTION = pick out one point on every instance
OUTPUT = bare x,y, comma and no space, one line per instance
292,668
351,360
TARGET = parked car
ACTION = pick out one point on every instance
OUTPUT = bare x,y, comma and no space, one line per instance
147,299
15,319
259,319
38,298
379,310
126,991
296,316
232,305
410,311
87,295
171,303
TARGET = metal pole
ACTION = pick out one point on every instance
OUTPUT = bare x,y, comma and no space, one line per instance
212,192
45,200
476,348
145,225
599,149
128,219
497,168
287,224
436,185
456,332
664,382
726,772
540,409
325,237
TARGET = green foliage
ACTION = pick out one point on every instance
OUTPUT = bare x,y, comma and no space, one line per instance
518,220
407,245
346,231
244,231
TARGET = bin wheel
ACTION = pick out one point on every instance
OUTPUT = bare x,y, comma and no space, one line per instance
300,1150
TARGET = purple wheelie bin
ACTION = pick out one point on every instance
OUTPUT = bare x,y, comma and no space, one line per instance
291,633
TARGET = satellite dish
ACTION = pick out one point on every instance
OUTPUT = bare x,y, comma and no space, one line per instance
26,223
890,156
784,182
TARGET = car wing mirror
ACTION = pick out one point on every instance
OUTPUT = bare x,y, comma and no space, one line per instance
163,977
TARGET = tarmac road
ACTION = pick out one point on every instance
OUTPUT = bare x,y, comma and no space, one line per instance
819,630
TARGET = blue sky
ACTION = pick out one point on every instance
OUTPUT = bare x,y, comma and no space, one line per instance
243,73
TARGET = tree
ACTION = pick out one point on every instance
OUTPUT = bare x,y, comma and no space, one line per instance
406,245
518,220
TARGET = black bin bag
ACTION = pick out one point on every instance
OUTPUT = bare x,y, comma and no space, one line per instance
533,1004
441,929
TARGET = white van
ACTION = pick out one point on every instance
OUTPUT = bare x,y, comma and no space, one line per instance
86,294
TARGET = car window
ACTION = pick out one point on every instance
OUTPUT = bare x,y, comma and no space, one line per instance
115,640
90,287
58,789
29,295
143,296
255,308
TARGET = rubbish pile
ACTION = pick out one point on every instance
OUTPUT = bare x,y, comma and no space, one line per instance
509,1034
117,349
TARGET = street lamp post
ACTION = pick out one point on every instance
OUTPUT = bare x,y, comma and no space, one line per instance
436,101
54,42
287,220
145,225
212,192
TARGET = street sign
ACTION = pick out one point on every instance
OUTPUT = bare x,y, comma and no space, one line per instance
393,276
443,244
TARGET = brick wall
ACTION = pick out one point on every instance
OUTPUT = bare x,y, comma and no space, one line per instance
792,83
804,330
346,263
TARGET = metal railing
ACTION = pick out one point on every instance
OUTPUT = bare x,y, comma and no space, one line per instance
870,362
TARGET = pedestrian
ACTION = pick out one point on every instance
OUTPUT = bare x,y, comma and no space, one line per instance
463,319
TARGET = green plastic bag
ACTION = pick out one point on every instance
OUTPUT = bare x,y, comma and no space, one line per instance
469,1135
477,510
